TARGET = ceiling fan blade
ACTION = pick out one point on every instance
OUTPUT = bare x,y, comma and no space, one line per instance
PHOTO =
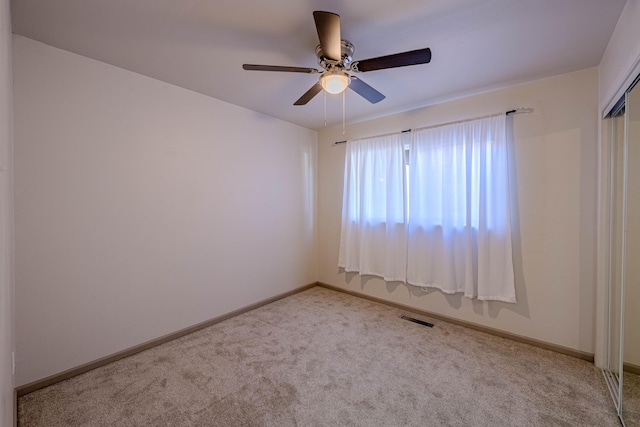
308,95
328,26
366,91
254,67
413,57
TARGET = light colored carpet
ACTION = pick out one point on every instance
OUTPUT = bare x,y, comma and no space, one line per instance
631,399
323,358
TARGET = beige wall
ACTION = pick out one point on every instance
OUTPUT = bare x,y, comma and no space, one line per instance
6,221
556,151
619,66
143,208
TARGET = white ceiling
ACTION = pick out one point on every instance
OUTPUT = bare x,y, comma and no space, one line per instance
477,45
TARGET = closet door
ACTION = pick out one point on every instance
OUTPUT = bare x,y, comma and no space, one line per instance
631,282
613,370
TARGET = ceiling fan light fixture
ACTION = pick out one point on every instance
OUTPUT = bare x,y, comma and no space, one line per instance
334,83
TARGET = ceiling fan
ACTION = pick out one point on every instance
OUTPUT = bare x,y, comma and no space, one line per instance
335,57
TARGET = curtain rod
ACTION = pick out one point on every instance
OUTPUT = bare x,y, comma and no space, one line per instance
521,110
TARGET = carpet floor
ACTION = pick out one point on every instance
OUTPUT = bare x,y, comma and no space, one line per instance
324,358
631,399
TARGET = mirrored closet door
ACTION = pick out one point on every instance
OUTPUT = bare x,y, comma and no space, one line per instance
631,291
623,365
614,362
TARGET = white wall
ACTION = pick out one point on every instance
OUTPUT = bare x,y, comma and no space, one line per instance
556,151
6,221
621,57
143,208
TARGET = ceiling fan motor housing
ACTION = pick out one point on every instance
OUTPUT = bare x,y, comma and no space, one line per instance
347,50
335,57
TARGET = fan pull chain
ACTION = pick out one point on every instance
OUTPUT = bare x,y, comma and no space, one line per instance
325,108
343,108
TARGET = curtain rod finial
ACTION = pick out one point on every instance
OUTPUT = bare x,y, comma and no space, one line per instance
520,110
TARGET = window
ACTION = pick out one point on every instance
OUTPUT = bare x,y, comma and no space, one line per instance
434,214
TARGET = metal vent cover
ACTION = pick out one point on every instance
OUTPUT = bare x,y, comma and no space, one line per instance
418,321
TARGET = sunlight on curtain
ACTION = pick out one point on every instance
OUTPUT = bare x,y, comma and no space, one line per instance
459,233
454,232
373,238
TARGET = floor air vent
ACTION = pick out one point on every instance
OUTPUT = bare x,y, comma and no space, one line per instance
418,321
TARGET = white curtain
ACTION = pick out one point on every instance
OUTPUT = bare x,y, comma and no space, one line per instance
373,238
446,224
459,234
